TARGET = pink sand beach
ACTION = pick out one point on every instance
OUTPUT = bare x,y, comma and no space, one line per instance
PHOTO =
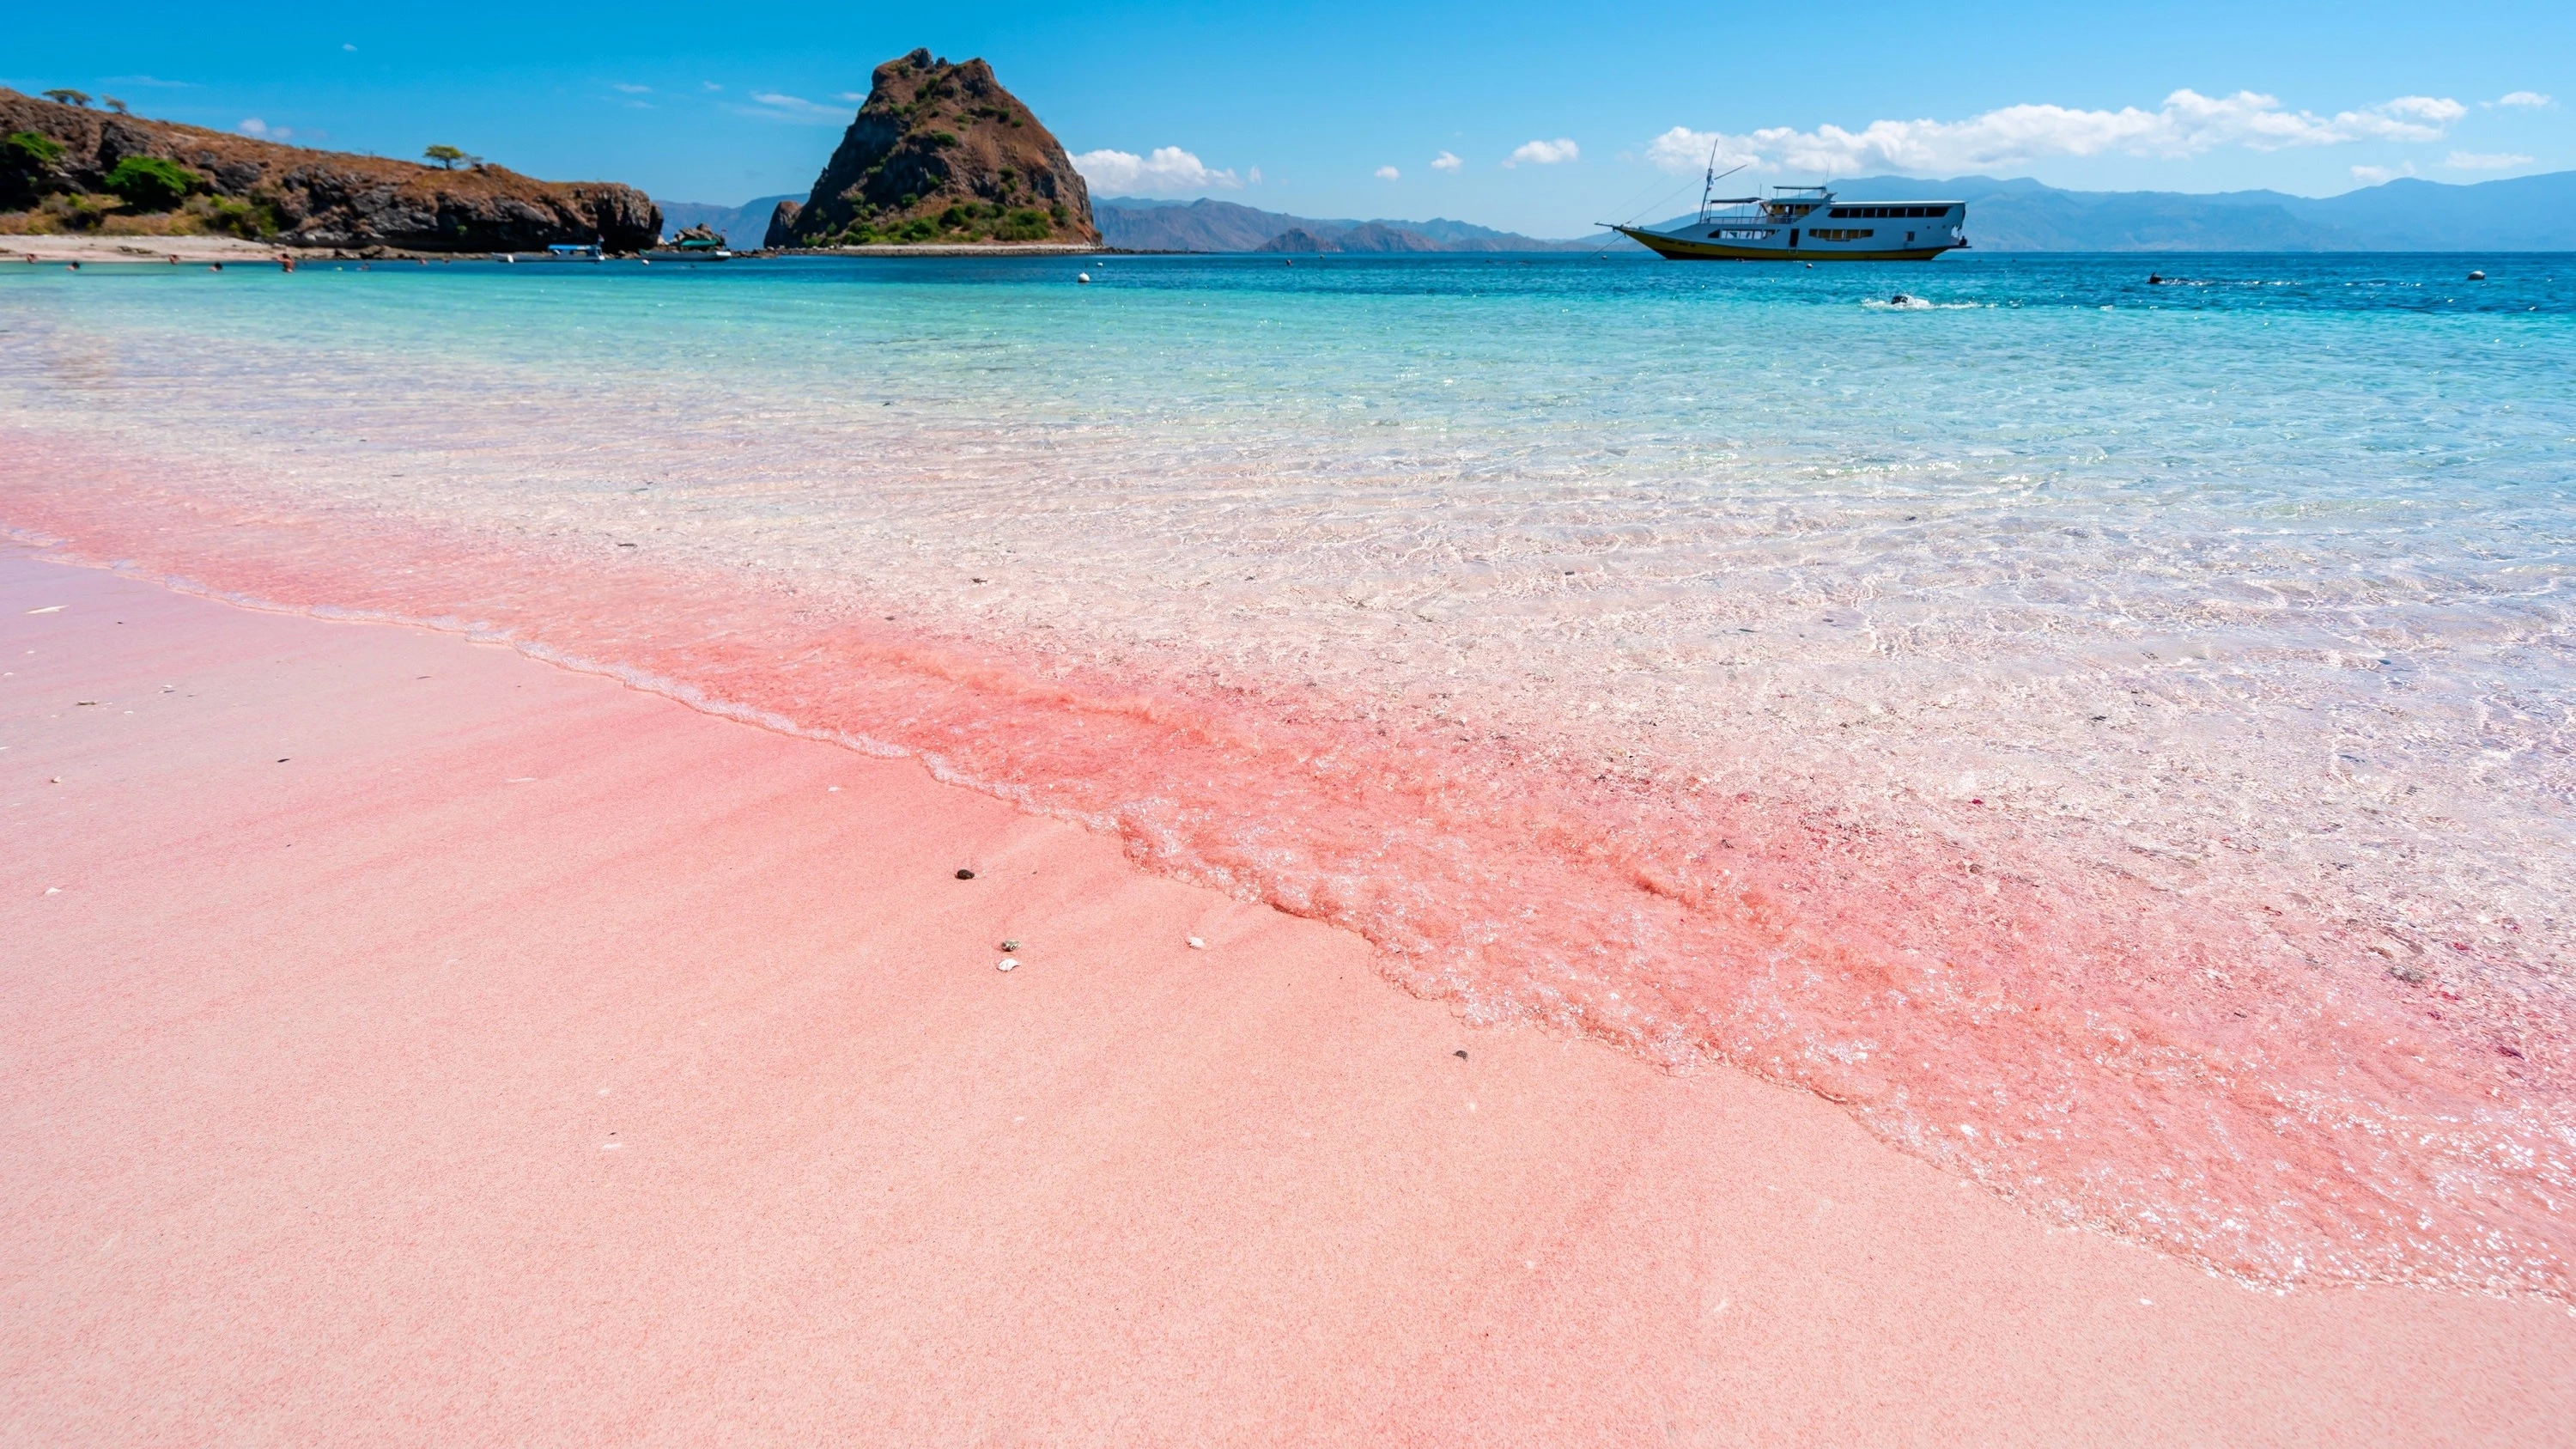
411,1042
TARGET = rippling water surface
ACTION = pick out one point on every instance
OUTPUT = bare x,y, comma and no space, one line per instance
2114,737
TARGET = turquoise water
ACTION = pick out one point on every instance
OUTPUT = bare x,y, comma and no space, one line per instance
2115,736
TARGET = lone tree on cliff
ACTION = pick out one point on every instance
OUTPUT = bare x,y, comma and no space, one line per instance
113,104
68,97
446,156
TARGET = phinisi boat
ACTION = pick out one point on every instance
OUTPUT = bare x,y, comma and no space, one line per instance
1807,224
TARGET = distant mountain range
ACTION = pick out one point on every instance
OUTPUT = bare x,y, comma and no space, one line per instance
743,226
2524,214
1222,226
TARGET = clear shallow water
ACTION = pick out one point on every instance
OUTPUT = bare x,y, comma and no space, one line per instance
2114,737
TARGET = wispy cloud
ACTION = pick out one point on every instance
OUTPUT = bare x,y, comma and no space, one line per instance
1167,171
2484,161
630,89
148,80
2531,100
1545,153
1387,173
854,97
2187,124
779,106
1446,162
254,126
2376,175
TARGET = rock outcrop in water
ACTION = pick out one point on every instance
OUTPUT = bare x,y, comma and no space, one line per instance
940,153
782,225
86,170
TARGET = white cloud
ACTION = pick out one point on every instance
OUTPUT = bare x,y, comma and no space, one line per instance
779,106
254,126
1387,173
851,96
1545,153
711,85
1446,162
2484,160
2187,124
1254,175
2533,100
1170,169
632,90
348,47
2377,175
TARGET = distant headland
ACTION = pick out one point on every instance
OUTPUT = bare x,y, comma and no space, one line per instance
66,168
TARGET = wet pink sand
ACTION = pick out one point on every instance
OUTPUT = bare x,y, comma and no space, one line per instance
2211,1058
413,1043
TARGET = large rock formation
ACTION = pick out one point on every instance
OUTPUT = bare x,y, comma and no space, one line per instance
81,160
941,153
782,224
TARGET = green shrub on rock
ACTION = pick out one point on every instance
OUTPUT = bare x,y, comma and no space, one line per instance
148,183
1025,225
27,161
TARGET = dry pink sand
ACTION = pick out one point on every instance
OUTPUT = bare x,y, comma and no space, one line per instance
408,1042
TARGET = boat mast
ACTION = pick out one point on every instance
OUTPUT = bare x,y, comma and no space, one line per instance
1708,182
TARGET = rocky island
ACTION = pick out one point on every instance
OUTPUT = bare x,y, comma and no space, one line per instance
70,169
941,154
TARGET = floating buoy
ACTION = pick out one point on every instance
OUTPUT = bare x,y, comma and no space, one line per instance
1083,278
2477,276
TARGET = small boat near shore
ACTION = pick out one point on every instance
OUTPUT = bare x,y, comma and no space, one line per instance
1808,224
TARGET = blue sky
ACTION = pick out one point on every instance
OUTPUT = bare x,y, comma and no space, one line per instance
1538,118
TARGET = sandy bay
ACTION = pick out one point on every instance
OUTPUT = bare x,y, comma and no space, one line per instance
415,1043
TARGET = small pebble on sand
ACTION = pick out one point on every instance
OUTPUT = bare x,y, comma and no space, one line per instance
964,874
1006,963
1009,947
1197,945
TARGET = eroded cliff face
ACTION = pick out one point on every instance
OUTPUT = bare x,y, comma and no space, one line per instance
941,153
299,197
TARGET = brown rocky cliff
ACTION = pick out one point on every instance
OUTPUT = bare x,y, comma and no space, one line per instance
941,153
302,197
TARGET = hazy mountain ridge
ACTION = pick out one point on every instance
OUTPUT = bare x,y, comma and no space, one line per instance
2527,213
1209,225
2523,213
741,226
